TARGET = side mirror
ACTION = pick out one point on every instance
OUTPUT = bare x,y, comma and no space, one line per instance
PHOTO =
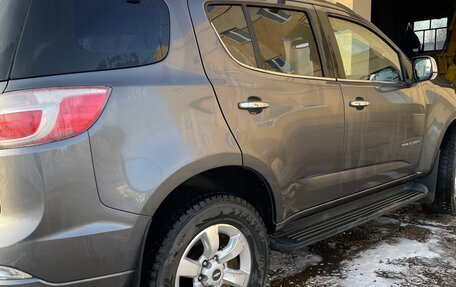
424,69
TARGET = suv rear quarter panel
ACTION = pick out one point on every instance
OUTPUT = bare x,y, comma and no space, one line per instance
51,215
162,125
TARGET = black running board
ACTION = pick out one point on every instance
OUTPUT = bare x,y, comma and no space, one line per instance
322,225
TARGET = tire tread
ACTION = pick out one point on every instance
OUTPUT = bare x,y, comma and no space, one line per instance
444,202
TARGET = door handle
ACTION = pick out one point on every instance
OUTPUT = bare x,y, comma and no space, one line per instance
356,104
254,105
359,103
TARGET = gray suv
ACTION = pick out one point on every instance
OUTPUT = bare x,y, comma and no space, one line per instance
171,142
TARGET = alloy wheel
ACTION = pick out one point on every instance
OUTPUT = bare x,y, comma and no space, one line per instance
218,256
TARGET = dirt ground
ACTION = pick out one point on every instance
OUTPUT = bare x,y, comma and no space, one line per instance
407,248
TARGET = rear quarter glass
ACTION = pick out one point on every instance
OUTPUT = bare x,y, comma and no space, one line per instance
12,16
71,36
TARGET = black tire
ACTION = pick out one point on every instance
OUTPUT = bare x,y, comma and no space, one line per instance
445,197
194,218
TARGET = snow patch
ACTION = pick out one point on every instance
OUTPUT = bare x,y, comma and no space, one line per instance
386,264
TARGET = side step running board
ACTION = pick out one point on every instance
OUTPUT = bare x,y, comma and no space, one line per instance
322,225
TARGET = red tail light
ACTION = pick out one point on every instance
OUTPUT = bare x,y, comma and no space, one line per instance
46,115
19,125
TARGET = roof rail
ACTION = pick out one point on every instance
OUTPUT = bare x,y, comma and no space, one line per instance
281,1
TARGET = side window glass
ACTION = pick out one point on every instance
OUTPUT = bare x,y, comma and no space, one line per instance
72,36
286,41
231,25
365,55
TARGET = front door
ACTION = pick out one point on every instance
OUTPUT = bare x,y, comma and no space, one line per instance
286,113
384,116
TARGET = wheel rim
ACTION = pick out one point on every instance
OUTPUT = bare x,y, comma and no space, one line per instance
217,256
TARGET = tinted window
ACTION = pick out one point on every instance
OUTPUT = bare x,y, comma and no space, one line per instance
88,35
230,24
12,16
286,42
365,55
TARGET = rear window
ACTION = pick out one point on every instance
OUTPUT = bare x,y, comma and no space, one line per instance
70,36
12,15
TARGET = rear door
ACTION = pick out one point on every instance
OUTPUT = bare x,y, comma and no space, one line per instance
384,116
279,98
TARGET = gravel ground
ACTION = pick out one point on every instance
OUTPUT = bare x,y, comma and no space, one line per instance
407,248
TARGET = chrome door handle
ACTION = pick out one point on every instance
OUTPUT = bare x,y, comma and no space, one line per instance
253,105
359,104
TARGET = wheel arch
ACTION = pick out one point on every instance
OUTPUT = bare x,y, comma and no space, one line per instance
208,183
440,120
430,153
233,180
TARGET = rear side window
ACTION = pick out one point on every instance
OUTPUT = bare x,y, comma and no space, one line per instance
286,41
12,16
230,24
90,35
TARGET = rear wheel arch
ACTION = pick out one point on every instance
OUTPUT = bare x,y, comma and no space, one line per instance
237,181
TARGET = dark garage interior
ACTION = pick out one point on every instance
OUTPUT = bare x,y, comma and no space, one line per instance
433,23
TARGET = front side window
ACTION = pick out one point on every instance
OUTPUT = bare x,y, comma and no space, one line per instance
286,41
365,56
230,23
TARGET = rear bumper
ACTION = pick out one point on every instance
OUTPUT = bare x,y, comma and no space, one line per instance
53,225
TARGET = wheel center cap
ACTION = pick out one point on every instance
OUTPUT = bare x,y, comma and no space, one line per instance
217,275
213,273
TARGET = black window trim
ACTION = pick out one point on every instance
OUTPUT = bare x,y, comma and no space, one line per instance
255,44
313,23
338,56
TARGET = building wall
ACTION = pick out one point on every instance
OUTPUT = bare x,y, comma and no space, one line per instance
362,7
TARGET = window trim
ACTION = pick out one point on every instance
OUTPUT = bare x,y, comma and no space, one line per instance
245,5
255,44
338,56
